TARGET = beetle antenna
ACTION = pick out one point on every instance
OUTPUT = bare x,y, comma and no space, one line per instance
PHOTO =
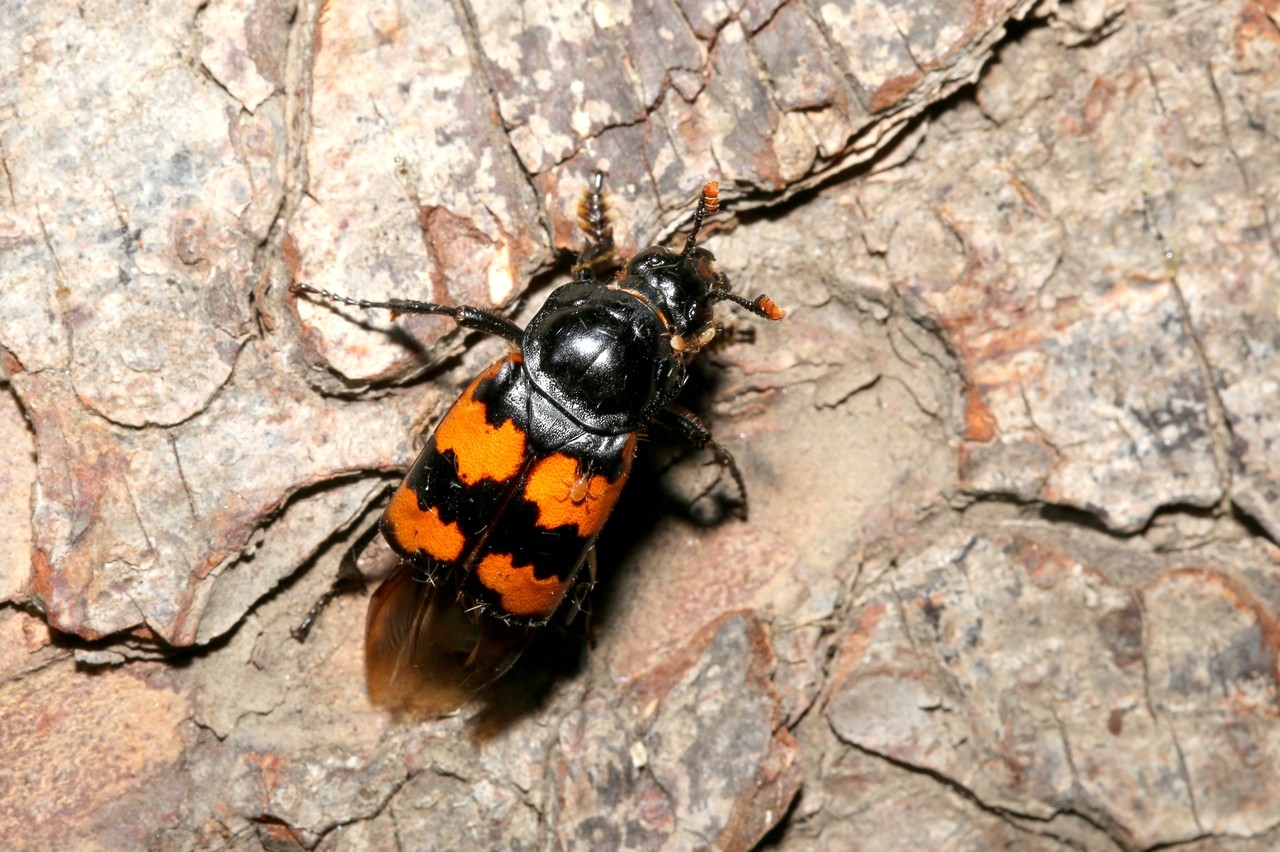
762,306
708,203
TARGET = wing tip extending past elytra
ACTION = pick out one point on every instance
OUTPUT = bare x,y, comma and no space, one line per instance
425,655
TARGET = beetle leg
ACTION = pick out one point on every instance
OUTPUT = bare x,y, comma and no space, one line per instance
593,217
731,333
464,315
582,588
348,579
693,430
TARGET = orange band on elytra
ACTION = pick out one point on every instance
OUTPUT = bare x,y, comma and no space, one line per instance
521,593
420,530
482,451
563,496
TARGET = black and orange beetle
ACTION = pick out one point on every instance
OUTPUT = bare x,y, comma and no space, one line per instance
498,514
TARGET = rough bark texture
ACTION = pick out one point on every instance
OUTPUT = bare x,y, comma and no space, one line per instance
1011,577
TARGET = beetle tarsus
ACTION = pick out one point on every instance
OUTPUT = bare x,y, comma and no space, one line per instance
690,427
475,319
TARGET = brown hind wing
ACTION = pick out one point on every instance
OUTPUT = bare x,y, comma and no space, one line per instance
425,654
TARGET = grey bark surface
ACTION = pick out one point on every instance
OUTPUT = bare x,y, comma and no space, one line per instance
1012,571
